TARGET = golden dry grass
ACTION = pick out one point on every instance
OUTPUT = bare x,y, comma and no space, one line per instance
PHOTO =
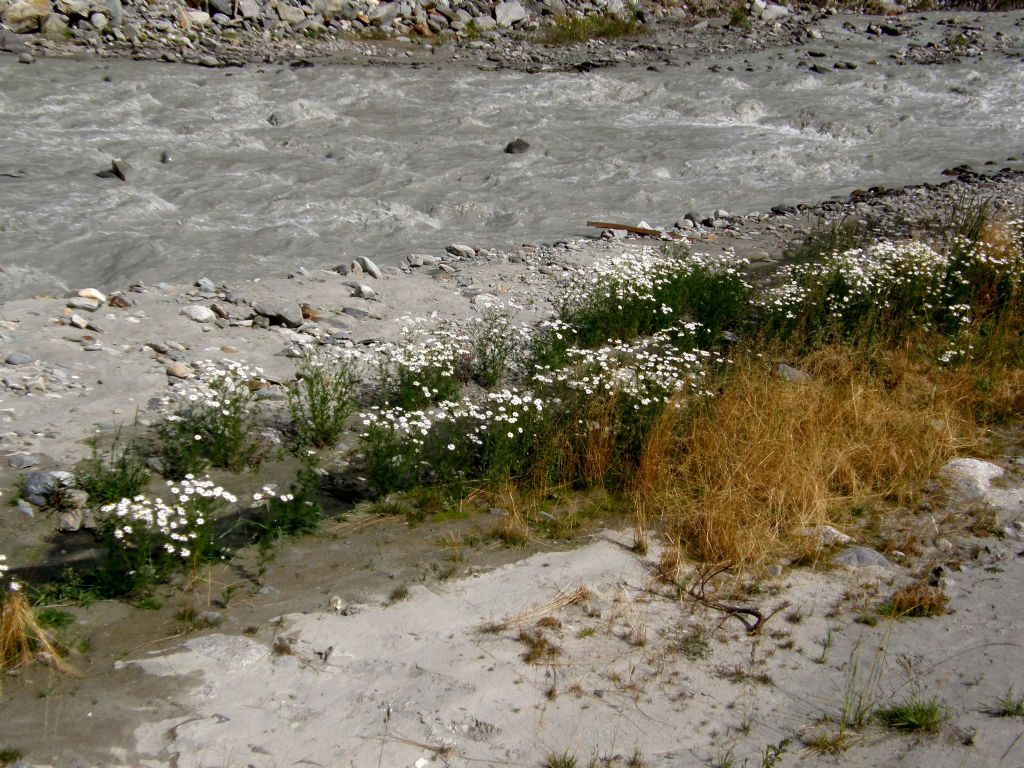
23,641
768,457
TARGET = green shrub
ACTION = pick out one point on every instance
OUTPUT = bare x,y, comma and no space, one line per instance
322,398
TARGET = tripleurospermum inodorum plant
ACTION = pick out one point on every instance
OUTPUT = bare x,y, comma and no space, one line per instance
213,420
147,539
323,397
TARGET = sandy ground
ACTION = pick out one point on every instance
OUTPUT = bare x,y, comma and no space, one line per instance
433,679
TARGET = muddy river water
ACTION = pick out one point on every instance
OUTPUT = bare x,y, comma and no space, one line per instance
272,167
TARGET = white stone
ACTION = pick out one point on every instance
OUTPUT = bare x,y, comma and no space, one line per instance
199,313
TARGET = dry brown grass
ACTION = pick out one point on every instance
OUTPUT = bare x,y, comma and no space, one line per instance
23,640
768,457
916,600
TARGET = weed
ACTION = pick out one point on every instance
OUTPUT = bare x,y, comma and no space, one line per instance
322,398
916,600
54,618
826,646
288,514
495,346
914,715
10,756
539,648
559,760
773,753
112,475
695,644
571,30
398,594
1009,705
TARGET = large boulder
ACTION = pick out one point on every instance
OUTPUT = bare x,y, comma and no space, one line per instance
249,9
23,16
509,12
290,14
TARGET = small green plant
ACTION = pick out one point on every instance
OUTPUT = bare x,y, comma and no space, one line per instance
695,644
494,347
914,715
322,398
1010,705
112,475
826,646
773,753
739,18
287,514
9,756
54,618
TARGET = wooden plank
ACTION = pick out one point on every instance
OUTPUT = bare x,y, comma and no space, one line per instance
625,228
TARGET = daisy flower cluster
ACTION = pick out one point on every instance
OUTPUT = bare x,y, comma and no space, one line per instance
645,371
12,586
145,534
422,366
901,286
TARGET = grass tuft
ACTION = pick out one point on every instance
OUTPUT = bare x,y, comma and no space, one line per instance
915,715
1010,705
915,601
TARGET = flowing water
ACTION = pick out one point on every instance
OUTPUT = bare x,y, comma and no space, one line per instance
389,161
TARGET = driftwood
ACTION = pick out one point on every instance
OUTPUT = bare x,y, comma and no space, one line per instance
752,618
626,228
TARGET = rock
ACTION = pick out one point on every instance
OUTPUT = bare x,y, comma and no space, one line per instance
220,6
862,557
369,267
462,251
70,520
516,147
39,485
211,618
291,15
972,478
756,8
198,18
27,16
284,313
11,43
100,22
26,58
118,170
19,358
22,461
791,374
88,305
180,371
774,12
825,535
249,9
199,313
509,12
115,13
362,291
92,293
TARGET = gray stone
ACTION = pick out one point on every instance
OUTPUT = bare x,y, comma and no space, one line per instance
22,461
249,9
509,12
462,251
26,16
19,358
290,15
11,43
100,23
199,313
774,12
367,266
220,6
211,618
87,305
280,312
115,13
517,146
862,557
69,521
971,478
824,535
39,485
791,374
384,14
